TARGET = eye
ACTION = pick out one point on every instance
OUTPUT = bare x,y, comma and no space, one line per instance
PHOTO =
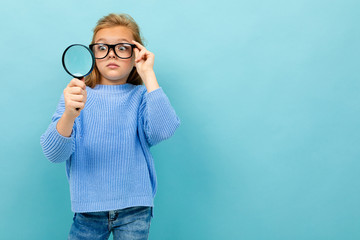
101,48
123,48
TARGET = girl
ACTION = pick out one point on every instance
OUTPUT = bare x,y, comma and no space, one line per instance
106,144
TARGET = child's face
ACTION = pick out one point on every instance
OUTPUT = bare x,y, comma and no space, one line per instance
111,75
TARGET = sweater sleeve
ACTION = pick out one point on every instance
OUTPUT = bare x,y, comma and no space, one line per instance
158,116
56,147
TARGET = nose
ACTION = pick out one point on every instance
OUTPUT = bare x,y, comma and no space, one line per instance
111,53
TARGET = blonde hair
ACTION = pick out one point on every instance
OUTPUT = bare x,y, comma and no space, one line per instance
114,20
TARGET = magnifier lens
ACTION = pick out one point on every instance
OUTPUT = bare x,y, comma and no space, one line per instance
78,60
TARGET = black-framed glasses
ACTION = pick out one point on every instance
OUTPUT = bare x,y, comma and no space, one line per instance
121,50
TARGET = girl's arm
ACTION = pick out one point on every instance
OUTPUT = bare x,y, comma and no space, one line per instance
150,81
65,125
158,117
58,145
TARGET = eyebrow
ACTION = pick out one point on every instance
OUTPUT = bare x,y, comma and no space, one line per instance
120,39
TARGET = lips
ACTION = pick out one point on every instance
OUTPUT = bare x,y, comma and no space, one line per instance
112,65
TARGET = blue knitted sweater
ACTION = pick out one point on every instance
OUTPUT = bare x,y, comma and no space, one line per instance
108,161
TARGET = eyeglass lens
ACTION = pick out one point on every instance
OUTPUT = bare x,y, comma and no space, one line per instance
122,50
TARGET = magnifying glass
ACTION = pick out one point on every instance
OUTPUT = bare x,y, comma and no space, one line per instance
78,61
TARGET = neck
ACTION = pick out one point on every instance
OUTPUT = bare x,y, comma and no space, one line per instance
104,81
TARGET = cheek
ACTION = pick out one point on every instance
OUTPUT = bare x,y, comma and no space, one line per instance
99,63
129,63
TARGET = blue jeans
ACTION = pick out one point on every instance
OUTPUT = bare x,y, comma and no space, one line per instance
129,223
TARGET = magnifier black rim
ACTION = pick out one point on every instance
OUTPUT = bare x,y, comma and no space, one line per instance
92,57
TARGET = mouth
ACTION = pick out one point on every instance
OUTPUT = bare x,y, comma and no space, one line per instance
112,65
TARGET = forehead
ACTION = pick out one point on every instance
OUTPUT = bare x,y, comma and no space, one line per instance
114,34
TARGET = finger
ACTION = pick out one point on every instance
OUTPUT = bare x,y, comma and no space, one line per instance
150,56
78,98
147,56
77,82
80,105
141,55
76,90
138,45
136,52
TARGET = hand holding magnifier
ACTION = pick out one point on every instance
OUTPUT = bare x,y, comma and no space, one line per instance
78,61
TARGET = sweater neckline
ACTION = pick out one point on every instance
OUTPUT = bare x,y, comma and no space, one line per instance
101,88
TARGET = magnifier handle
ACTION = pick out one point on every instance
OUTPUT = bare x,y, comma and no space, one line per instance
80,78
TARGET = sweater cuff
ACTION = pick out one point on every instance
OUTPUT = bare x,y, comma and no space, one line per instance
155,94
57,144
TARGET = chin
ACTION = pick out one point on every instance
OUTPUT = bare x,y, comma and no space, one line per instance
114,78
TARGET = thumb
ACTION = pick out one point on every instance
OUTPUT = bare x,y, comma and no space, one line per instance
83,80
136,51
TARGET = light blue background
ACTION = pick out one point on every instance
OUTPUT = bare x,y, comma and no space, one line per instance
268,95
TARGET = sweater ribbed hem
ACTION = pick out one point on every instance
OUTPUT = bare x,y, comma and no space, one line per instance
116,204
